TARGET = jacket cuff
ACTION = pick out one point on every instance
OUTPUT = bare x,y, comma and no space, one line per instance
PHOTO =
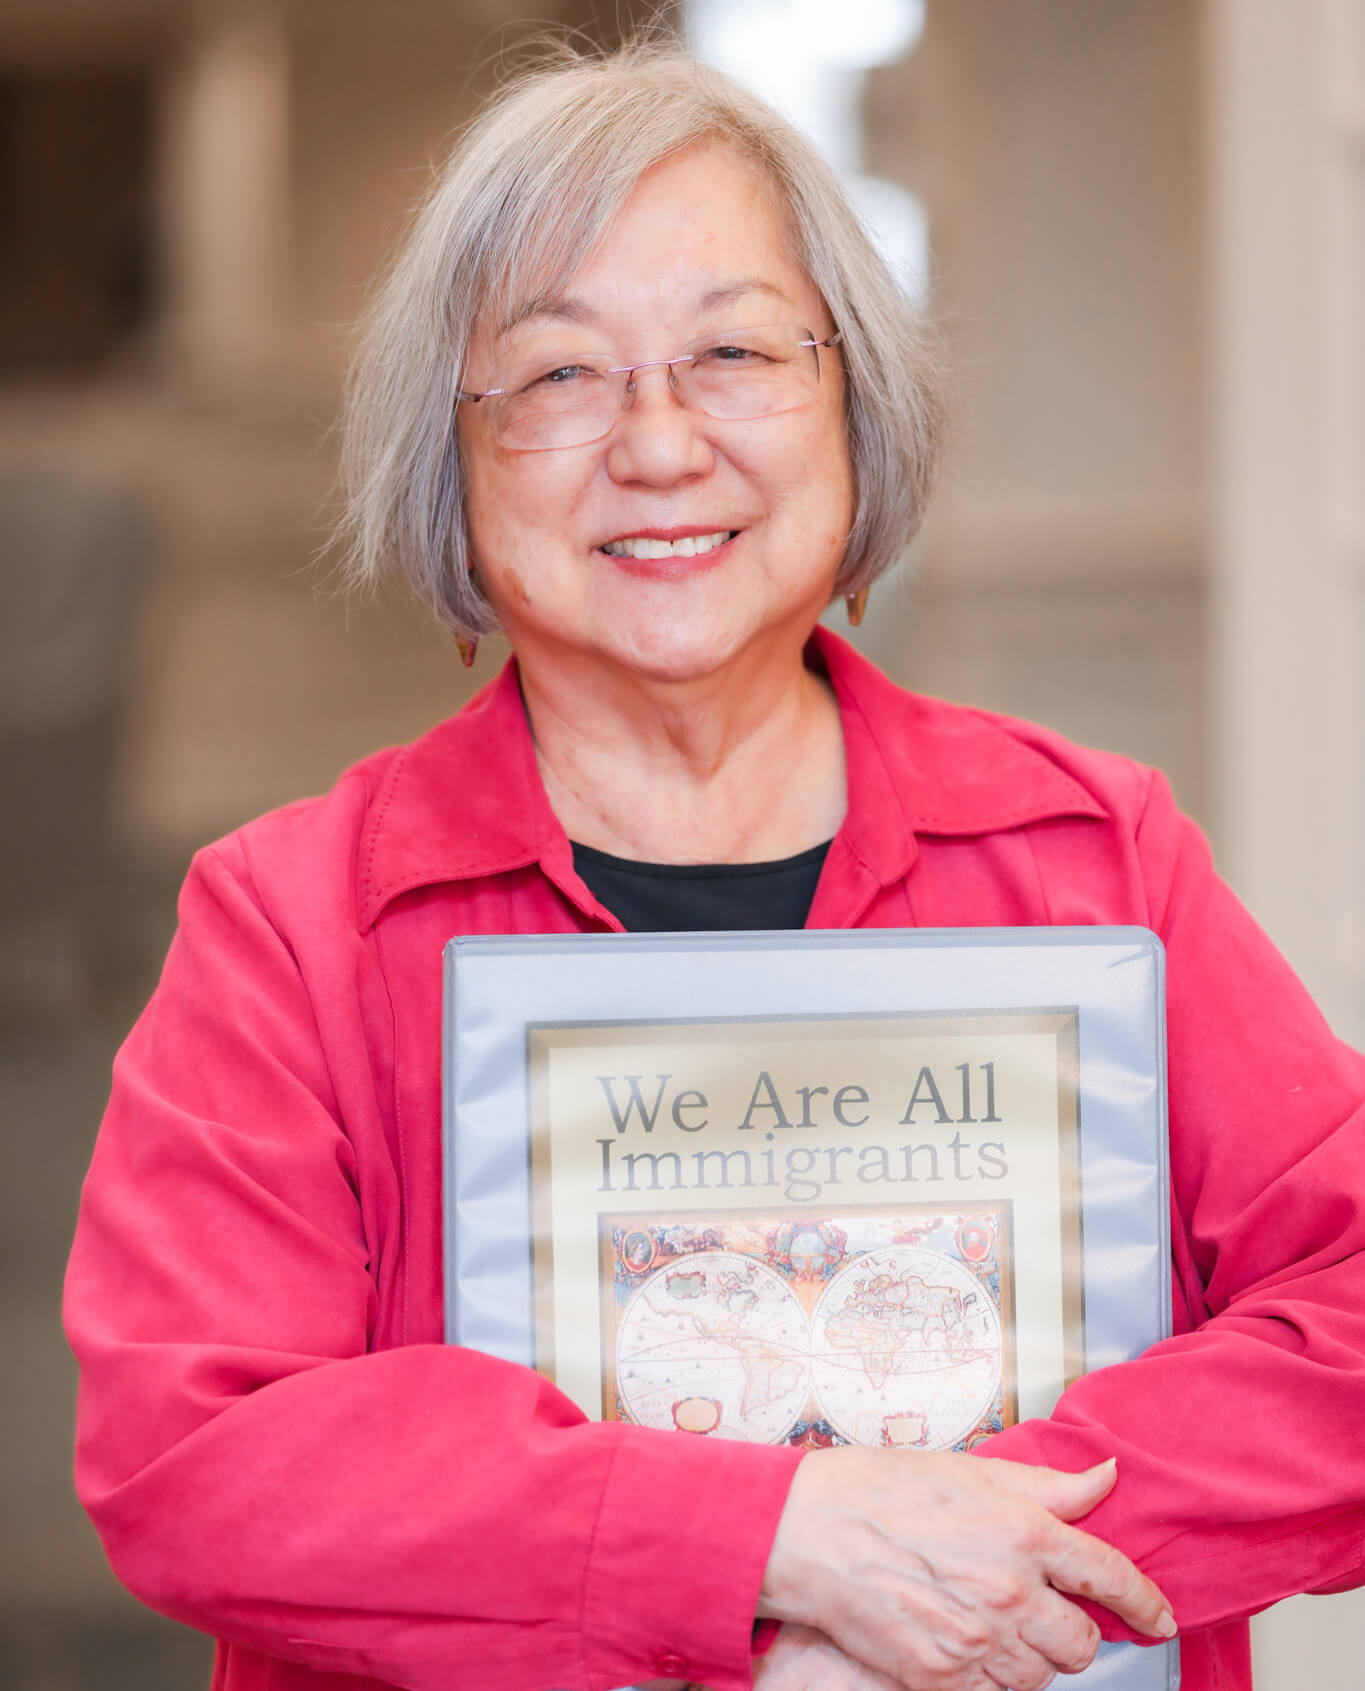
677,1558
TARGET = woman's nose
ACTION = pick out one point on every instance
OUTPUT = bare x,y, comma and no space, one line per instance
657,439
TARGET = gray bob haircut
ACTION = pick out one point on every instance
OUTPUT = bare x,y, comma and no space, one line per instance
530,190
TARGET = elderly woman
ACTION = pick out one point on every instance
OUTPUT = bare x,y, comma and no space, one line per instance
640,393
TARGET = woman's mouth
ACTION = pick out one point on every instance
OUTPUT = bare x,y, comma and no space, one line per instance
647,547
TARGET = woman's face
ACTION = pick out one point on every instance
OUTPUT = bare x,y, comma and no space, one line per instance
703,224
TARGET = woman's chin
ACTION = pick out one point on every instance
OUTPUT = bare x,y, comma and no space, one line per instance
669,642
687,650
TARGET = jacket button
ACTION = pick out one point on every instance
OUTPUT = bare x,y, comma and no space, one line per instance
671,1665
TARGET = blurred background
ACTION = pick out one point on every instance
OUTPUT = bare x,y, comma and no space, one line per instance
1141,224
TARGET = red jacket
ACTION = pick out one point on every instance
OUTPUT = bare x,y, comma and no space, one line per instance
276,1446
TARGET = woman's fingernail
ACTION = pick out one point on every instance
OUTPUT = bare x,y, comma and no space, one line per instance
1165,1626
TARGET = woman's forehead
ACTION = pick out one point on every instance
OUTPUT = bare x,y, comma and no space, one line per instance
700,234
571,310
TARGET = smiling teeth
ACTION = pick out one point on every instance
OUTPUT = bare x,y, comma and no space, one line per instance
690,546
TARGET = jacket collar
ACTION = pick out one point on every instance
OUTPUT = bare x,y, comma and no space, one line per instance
466,800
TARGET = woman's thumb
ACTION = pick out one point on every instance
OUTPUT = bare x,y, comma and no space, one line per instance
1067,1496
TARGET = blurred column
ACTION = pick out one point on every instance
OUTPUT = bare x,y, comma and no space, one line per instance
225,163
1287,396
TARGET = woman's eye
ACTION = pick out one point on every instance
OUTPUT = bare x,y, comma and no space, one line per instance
555,377
728,357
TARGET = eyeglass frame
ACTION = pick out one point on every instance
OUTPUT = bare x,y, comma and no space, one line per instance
628,387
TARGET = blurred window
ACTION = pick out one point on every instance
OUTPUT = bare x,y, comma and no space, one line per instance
810,60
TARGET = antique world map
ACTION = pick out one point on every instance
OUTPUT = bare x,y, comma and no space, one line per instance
862,1327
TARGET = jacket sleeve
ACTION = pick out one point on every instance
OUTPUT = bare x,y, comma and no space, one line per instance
423,1514
1240,1458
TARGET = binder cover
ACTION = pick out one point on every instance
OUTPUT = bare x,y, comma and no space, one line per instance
891,1187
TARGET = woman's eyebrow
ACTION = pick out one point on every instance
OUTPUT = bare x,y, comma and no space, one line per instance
559,307
731,291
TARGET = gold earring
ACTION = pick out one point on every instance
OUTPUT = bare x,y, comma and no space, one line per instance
467,645
856,604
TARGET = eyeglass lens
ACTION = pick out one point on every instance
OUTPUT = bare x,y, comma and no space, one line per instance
734,376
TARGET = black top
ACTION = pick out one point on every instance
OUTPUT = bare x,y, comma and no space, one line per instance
664,898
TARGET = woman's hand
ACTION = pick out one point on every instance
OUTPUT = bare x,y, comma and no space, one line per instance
946,1573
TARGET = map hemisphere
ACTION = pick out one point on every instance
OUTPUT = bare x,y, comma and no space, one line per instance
903,1346
906,1349
715,1342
